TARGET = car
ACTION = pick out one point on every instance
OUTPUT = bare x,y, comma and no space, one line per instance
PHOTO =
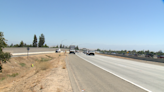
91,52
77,51
113,53
160,56
149,55
85,51
58,50
136,55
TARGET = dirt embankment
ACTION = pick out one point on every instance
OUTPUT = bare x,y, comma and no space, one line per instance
47,74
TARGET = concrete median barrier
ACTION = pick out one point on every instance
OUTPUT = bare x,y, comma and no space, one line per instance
140,58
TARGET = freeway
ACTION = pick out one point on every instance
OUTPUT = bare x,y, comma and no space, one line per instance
120,75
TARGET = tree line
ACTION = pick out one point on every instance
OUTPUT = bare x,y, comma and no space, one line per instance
34,44
64,46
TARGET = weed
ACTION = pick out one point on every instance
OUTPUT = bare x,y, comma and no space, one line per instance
49,56
22,64
58,90
13,75
44,59
2,78
59,55
41,87
64,67
44,65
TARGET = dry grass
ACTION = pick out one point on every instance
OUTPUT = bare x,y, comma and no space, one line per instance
63,65
19,71
18,67
58,90
41,87
43,65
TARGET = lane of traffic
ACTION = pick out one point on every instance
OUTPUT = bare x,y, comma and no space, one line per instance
133,71
94,79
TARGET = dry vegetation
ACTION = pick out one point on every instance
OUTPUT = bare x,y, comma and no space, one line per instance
37,73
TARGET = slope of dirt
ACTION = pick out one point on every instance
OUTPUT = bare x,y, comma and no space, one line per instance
49,74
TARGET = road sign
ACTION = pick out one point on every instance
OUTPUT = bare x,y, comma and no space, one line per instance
28,48
28,51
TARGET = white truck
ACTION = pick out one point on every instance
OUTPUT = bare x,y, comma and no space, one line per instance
72,49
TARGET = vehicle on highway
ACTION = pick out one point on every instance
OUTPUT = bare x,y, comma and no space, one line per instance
91,52
58,50
113,53
149,55
136,55
160,56
77,51
72,49
85,51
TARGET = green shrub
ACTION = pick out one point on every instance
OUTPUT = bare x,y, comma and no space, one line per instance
13,75
4,56
49,56
44,59
22,64
2,78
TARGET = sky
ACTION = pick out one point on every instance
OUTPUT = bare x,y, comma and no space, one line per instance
104,24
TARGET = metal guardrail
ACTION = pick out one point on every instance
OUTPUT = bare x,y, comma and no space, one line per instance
140,58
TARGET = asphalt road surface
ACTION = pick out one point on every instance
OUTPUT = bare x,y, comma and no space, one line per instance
146,76
87,77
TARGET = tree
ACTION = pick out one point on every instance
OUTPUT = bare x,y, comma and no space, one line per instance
35,41
25,45
41,40
77,48
4,56
11,45
60,45
98,50
21,44
16,45
147,52
45,45
57,46
2,41
63,46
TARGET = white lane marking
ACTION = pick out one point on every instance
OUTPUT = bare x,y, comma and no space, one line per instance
115,74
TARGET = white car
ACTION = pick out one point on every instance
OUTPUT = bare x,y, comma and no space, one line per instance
58,50
90,52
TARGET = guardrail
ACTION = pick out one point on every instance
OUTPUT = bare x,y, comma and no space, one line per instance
140,58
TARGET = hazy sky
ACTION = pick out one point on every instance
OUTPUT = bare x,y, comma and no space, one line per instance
104,24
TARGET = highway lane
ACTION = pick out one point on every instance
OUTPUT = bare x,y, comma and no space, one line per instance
147,76
84,75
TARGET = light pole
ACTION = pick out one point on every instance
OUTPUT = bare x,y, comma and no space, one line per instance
62,42
73,42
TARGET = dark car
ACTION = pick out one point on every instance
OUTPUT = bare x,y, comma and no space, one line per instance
149,55
160,56
136,55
